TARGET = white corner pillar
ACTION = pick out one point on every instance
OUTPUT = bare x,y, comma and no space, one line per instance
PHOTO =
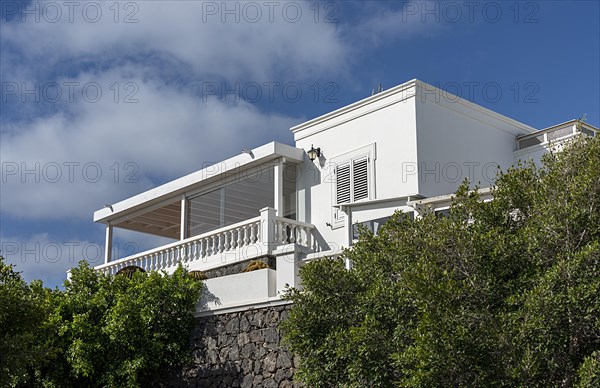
287,270
108,243
267,229
278,187
184,218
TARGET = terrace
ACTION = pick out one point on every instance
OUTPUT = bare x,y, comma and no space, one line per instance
228,213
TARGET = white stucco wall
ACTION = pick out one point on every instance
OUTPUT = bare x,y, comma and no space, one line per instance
388,122
457,139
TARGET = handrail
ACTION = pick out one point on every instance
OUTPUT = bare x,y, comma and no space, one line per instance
182,243
268,231
299,223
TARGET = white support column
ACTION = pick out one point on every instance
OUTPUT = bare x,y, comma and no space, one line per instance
184,217
278,187
348,211
108,243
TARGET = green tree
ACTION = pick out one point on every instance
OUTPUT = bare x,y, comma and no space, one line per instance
502,293
23,310
100,331
119,331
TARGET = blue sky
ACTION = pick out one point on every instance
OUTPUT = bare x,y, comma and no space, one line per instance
103,100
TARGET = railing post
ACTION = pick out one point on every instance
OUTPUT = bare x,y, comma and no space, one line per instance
184,218
267,225
278,187
108,244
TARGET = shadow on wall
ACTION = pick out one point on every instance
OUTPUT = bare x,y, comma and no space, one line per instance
207,297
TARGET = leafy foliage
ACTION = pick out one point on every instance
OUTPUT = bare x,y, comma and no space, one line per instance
502,293
23,309
101,331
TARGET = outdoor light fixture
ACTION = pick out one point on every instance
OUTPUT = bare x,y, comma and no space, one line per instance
314,153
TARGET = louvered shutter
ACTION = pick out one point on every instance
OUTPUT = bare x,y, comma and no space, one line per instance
343,183
360,179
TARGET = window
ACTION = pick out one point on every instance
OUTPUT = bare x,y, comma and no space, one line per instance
442,212
235,202
353,179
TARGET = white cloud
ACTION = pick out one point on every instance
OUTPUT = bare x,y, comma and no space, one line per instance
41,257
51,165
172,129
48,258
283,41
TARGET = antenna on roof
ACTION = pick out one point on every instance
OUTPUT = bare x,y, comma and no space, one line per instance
379,90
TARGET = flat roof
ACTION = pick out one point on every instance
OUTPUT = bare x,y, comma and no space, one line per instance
196,180
400,91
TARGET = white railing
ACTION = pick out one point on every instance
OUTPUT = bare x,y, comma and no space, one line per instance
256,237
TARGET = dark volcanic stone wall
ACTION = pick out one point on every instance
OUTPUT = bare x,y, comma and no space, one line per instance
238,267
240,349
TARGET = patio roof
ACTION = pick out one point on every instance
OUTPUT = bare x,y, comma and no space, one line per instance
158,211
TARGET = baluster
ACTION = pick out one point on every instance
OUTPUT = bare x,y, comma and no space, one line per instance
246,234
299,236
252,234
220,246
293,231
203,248
283,235
240,240
195,255
232,239
226,242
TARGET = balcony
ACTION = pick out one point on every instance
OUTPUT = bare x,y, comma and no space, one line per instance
254,238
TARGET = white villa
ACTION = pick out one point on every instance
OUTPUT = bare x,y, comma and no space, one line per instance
398,150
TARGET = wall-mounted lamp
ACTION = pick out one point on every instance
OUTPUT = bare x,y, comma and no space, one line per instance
314,153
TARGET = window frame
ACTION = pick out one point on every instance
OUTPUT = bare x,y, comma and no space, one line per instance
338,217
